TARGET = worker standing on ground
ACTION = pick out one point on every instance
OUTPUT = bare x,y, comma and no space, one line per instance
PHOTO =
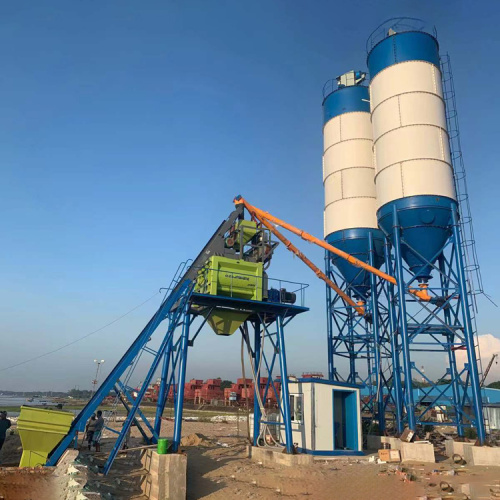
90,430
99,425
5,423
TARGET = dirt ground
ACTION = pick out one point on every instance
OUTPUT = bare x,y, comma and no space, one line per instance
218,469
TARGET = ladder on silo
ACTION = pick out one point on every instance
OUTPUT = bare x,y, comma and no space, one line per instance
469,250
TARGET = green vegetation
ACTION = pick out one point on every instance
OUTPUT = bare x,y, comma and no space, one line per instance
494,385
79,394
470,433
226,384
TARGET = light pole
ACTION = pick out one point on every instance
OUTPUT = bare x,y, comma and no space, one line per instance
94,382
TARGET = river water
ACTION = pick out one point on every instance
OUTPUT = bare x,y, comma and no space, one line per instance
6,401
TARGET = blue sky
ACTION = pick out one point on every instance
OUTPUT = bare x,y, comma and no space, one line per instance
126,129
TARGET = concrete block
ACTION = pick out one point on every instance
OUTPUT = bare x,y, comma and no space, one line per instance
271,456
166,478
482,455
67,458
479,491
417,452
375,442
452,447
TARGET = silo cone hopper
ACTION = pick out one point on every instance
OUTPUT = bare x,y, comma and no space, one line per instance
425,223
40,431
356,243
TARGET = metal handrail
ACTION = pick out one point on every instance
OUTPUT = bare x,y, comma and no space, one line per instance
399,25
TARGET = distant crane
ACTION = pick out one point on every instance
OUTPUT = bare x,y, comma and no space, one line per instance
488,368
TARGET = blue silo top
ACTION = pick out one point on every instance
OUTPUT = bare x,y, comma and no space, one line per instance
346,100
400,47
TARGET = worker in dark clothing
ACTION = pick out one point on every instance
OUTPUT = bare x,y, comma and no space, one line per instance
90,430
5,423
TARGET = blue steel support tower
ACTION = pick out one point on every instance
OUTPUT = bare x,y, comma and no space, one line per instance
355,347
420,218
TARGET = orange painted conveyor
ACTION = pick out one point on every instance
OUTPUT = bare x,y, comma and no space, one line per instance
269,221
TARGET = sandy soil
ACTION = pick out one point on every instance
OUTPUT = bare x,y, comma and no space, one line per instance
218,469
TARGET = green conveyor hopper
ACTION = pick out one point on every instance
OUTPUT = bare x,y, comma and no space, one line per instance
40,431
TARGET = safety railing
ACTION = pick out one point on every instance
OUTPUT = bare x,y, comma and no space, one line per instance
399,25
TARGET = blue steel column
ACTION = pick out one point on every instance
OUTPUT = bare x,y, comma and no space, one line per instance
162,395
451,353
405,341
468,333
352,355
285,393
396,370
179,401
329,325
256,363
376,338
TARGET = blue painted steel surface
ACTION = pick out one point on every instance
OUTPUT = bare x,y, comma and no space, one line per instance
401,47
469,335
331,453
257,365
346,100
425,223
403,326
285,393
356,242
164,387
145,421
352,421
147,380
329,382
179,402
443,394
377,357
396,388
81,419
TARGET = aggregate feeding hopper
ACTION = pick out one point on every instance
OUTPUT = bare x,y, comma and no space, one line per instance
40,431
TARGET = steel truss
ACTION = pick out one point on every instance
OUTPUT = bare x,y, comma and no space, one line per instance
382,343
441,325
179,312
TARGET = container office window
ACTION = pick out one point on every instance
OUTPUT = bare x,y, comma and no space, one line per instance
296,407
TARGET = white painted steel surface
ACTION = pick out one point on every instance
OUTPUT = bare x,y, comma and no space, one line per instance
410,138
348,173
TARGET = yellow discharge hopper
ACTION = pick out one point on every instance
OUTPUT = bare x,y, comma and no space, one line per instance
40,431
226,322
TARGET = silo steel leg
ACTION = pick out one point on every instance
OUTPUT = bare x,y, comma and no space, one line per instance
379,393
396,370
405,341
455,386
468,333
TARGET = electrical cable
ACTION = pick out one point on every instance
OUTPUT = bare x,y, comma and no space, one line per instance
264,428
246,386
48,353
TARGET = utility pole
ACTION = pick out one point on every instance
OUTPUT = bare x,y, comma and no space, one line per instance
96,379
